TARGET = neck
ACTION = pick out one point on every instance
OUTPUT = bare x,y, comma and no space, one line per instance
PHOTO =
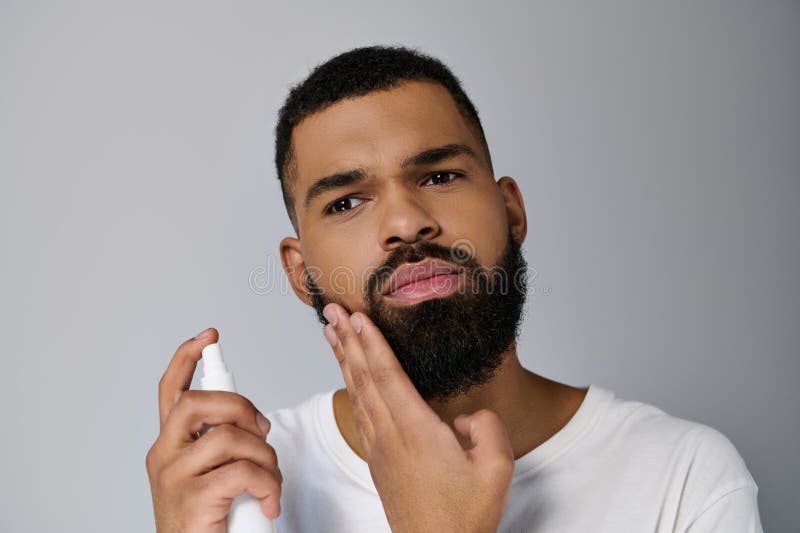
532,407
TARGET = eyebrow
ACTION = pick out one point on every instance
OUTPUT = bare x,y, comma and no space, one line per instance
426,157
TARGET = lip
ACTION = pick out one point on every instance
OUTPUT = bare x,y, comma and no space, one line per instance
437,286
414,272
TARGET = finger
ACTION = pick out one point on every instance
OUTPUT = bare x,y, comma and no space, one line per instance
366,431
488,434
226,443
362,388
351,353
196,408
407,407
231,480
178,376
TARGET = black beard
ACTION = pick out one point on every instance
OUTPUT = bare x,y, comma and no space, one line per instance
448,345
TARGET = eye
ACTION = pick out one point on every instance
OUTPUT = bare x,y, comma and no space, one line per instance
342,205
436,176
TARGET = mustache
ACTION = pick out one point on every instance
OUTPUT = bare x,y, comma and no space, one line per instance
458,254
461,253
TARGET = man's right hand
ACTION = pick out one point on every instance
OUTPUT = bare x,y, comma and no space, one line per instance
194,480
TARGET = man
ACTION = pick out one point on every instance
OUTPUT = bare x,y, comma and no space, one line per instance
409,252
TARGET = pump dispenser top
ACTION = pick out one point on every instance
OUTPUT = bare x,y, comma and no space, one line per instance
215,374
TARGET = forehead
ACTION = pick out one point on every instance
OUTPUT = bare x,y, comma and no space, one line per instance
379,128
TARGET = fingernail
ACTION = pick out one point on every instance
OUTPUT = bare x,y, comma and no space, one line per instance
330,335
356,323
263,423
205,333
330,315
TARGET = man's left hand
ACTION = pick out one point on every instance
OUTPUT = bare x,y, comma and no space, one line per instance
426,480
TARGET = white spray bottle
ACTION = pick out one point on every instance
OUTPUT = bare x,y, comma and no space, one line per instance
245,515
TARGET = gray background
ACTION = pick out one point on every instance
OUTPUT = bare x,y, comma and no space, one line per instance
657,147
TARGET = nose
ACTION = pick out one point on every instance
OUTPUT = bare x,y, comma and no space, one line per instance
405,220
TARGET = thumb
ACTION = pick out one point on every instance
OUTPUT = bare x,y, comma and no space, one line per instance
486,431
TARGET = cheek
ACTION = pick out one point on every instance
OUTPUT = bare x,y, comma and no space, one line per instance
340,268
486,224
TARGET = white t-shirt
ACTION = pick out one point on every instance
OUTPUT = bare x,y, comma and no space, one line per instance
616,466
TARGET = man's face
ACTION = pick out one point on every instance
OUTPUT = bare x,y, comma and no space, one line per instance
383,207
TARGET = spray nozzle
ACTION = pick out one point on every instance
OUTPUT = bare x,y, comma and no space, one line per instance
213,363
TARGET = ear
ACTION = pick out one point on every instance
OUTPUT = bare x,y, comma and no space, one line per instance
515,208
295,267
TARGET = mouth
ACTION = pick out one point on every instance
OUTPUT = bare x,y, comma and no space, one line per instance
419,281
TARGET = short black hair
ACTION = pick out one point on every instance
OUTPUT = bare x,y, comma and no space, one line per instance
355,73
